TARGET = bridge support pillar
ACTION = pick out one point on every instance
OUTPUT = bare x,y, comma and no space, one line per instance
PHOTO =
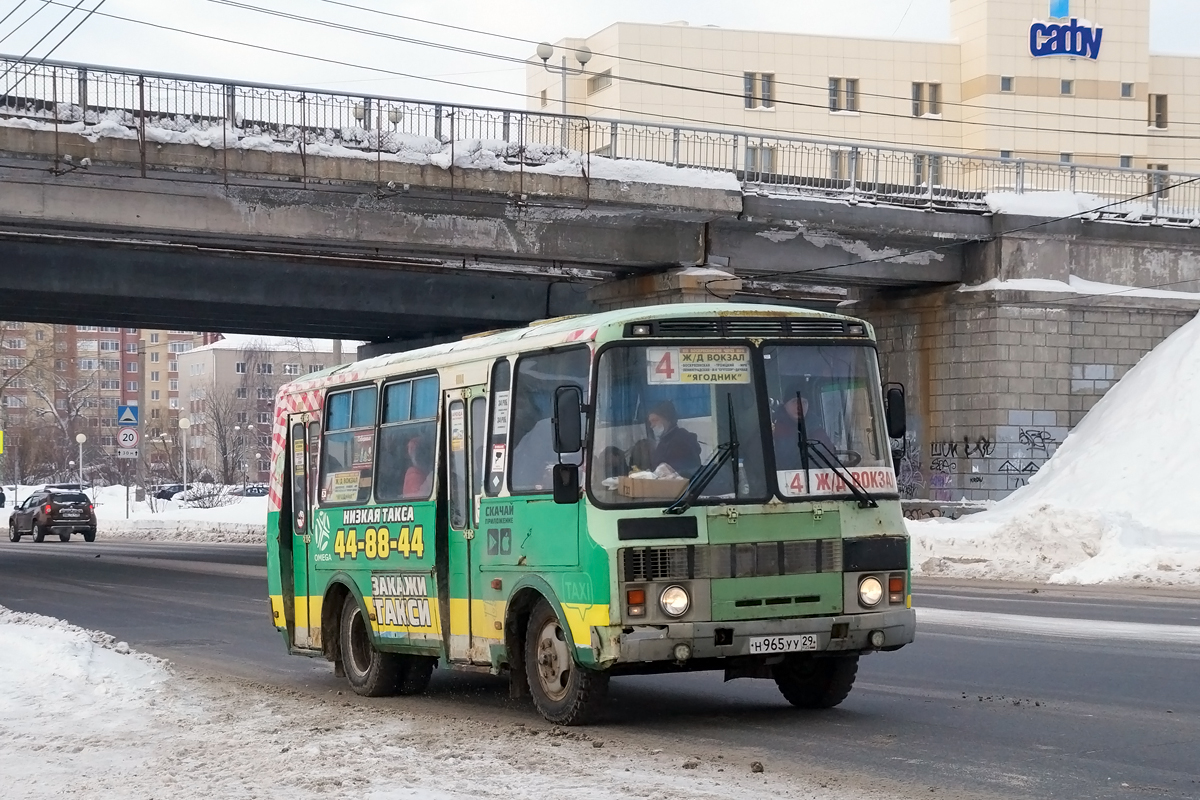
684,285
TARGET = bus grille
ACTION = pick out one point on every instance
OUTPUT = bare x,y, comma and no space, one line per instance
731,560
752,327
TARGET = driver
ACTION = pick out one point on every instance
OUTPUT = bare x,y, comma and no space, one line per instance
786,431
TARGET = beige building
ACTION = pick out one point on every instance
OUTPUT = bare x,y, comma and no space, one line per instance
227,390
1057,80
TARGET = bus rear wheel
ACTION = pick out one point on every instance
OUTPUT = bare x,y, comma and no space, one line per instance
563,692
369,672
810,682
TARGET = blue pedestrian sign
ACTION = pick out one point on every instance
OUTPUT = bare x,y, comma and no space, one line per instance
127,415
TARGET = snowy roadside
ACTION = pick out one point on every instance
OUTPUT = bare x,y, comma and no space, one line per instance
93,719
1116,503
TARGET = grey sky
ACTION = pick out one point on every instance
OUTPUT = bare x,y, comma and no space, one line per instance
1174,28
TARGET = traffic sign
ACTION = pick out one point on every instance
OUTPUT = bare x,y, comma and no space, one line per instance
127,415
124,452
127,438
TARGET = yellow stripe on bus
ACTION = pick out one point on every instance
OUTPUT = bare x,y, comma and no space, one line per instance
581,617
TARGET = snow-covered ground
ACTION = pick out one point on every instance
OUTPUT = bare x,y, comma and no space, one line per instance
243,519
1119,502
82,716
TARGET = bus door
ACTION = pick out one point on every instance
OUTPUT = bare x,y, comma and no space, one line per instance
302,430
466,439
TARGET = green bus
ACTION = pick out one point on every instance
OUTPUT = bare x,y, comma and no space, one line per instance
652,490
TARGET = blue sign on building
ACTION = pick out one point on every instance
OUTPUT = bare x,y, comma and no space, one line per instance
1064,39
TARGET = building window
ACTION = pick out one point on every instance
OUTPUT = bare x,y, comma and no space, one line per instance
1065,158
90,345
110,385
315,368
240,368
131,386
1126,90
131,366
154,394
265,393
154,338
926,99
131,330
1006,83
154,377
265,368
760,159
173,402
243,393
110,364
173,384
87,328
1066,87
172,366
16,344
107,441
843,94
599,82
545,100
110,346
179,347
1126,162
759,89
291,369
132,347
264,417
39,335
1006,154
1158,111
154,358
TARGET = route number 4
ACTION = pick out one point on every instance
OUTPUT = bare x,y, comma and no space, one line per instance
664,367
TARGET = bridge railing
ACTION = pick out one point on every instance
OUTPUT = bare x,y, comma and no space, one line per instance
65,93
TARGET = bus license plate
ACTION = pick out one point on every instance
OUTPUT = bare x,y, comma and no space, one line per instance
765,645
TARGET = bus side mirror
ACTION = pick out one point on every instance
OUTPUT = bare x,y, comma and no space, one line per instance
897,414
568,423
566,484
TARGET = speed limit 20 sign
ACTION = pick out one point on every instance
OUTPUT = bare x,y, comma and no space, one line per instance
127,441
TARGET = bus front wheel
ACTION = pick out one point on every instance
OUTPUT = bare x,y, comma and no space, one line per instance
809,682
370,672
563,692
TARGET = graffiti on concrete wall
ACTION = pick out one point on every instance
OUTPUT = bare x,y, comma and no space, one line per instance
909,475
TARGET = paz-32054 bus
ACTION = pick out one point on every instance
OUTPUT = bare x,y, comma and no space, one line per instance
684,487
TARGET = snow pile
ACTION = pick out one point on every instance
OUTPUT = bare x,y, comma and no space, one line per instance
81,716
493,154
1077,285
1118,502
69,695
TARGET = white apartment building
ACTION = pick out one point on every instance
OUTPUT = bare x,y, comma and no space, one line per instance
1054,80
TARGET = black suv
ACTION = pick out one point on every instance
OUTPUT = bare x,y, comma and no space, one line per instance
57,511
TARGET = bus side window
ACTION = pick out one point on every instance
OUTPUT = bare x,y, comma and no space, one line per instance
538,375
407,433
497,460
348,451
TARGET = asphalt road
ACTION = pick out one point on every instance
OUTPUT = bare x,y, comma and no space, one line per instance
1006,693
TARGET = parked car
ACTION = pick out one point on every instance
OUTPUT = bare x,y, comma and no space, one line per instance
252,490
168,491
54,511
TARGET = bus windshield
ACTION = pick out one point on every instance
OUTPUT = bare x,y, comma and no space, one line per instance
661,414
835,389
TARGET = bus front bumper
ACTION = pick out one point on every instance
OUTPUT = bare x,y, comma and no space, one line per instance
649,643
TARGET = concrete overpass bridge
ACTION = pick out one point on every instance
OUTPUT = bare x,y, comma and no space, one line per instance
152,198
142,199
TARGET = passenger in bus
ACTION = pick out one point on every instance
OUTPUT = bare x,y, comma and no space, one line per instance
787,431
612,463
418,478
668,443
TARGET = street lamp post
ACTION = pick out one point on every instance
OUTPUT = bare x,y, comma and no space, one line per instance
583,55
81,438
184,424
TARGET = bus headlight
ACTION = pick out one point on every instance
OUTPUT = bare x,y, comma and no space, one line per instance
674,601
870,591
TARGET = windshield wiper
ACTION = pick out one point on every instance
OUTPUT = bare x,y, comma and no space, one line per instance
829,459
723,455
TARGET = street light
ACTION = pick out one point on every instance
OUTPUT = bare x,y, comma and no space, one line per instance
583,54
257,466
184,424
81,438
